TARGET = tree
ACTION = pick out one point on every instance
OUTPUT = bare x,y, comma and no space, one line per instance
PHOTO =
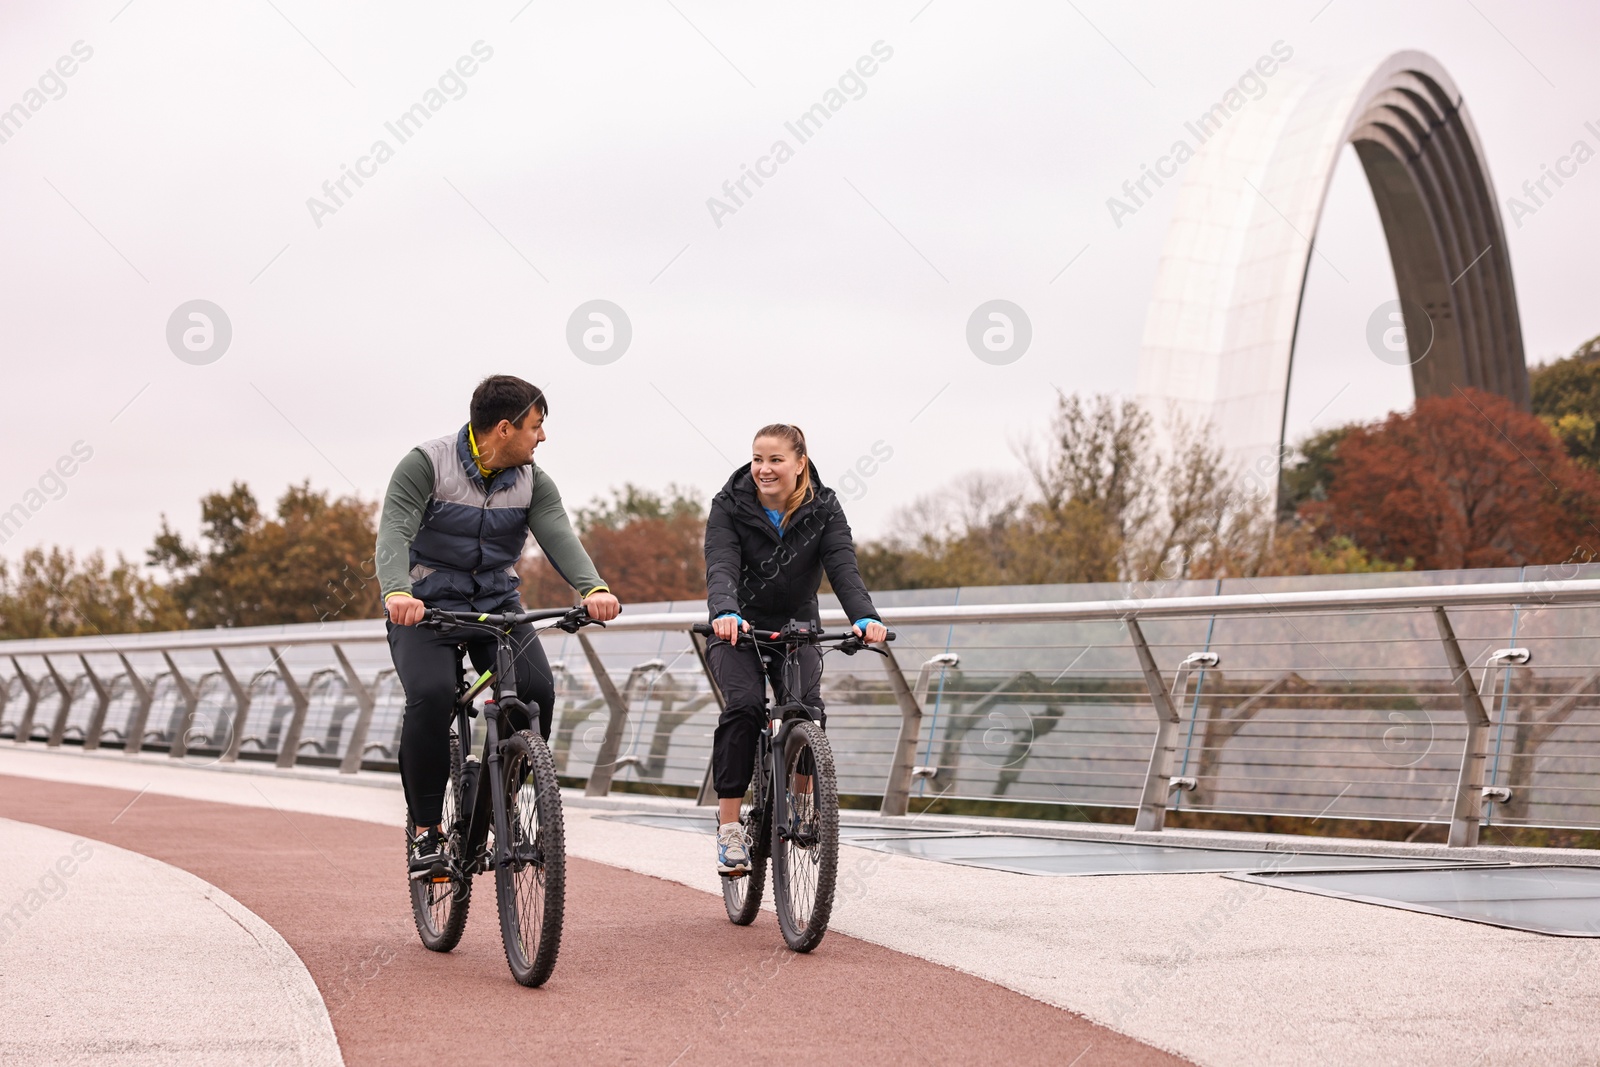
648,546
1566,397
53,594
312,563
1095,458
1101,504
985,529
1310,470
1465,480
1292,548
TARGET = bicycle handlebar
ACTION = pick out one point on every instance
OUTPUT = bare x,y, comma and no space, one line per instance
571,619
791,637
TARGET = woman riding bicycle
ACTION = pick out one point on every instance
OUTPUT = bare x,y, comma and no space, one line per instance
772,532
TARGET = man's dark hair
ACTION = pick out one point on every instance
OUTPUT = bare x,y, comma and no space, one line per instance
504,396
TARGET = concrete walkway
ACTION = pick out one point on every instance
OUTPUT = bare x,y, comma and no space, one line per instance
1218,971
110,957
650,973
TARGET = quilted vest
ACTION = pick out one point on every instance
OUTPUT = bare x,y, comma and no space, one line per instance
473,531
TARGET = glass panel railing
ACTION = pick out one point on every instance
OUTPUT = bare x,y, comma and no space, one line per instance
1346,713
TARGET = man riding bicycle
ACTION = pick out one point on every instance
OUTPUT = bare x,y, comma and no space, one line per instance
456,516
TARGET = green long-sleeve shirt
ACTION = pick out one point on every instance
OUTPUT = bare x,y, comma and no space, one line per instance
411,489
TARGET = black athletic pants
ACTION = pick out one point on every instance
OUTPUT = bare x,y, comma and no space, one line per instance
741,673
428,664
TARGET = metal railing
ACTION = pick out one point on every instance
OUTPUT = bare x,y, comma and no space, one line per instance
1472,703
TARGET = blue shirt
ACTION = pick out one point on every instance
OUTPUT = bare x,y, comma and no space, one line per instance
776,515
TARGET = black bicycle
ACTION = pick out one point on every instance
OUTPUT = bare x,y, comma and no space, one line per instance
514,826
796,825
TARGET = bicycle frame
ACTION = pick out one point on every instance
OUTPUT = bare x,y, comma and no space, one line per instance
780,723
481,811
782,717
474,816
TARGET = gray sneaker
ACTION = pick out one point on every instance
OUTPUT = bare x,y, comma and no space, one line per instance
733,849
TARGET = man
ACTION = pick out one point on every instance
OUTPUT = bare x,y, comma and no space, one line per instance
457,514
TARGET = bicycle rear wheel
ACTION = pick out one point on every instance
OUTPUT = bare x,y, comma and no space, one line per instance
805,837
742,896
531,886
440,907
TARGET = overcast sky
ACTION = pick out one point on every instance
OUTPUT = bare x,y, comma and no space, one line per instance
575,162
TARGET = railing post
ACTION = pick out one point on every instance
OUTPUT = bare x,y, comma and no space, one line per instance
102,692
667,723
31,687
59,726
289,740
134,741
365,705
605,760
178,747
945,661
897,787
708,791
1157,781
573,717
1467,813
241,709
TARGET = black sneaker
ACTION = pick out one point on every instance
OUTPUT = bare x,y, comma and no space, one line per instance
426,852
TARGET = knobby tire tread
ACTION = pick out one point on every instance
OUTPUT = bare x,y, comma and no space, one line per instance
805,937
526,751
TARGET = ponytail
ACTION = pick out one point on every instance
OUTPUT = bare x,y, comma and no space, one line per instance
803,490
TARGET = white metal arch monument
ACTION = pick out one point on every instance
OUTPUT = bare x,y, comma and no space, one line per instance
1219,340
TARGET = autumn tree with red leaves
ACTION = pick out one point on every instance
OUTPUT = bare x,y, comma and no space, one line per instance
647,546
1466,480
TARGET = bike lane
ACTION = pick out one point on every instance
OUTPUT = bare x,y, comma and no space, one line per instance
650,970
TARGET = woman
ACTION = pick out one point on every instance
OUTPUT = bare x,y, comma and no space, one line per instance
773,530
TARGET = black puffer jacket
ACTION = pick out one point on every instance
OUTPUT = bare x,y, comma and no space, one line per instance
769,579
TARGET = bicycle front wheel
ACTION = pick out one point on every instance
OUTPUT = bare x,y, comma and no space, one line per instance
742,896
805,837
531,883
439,907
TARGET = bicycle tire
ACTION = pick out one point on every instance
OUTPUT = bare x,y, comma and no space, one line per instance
440,908
531,886
742,896
805,839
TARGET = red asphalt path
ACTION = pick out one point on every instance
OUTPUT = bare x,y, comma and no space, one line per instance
650,972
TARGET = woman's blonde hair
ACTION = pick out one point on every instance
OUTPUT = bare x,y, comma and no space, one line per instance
802,486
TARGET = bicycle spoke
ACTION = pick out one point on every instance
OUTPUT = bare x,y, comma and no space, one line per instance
529,874
801,850
530,881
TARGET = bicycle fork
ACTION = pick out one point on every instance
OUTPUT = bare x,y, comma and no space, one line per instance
784,820
779,736
496,767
